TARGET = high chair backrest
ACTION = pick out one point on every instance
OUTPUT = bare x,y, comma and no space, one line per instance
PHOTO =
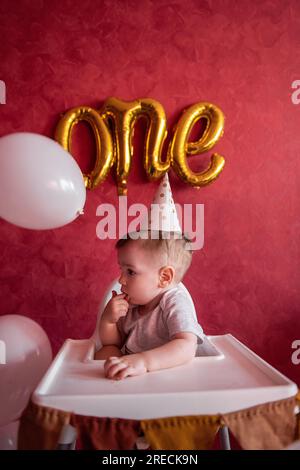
115,285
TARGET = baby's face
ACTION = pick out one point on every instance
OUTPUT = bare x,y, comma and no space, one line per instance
139,273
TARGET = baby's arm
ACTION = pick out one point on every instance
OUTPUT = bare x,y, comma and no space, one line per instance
116,308
179,350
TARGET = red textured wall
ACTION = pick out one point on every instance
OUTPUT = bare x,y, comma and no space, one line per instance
242,56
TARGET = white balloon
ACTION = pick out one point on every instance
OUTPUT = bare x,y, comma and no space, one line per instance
41,185
27,357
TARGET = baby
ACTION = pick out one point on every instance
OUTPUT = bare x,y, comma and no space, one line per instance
153,320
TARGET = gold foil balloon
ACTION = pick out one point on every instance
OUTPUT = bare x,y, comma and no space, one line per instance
156,135
124,115
180,147
113,128
103,140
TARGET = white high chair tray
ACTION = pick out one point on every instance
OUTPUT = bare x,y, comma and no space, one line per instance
234,380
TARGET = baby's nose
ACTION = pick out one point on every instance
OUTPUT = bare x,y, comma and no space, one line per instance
121,280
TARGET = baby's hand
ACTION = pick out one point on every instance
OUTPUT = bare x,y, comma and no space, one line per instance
117,368
117,307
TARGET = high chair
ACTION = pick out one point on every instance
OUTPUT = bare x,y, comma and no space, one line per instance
225,376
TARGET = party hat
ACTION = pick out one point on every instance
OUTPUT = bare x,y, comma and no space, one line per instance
163,215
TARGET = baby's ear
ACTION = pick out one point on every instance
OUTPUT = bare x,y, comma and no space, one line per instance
166,276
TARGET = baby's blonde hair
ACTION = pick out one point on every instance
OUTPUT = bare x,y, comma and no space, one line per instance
177,247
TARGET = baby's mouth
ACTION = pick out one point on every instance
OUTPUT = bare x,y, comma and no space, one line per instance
126,295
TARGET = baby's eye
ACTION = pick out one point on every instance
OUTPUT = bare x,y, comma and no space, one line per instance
130,272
